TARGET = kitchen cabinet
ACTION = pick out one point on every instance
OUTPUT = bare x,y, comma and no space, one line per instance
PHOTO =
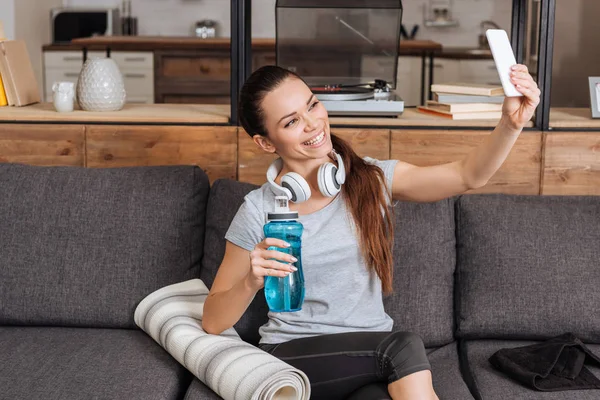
198,76
447,70
212,148
137,69
408,80
253,162
42,144
478,71
519,174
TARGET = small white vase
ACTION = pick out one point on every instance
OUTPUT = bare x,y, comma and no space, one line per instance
63,93
100,86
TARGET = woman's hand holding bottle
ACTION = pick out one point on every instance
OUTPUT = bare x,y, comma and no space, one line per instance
264,262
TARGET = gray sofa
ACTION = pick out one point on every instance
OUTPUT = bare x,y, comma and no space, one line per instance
79,248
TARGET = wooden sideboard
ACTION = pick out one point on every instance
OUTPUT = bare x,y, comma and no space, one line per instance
553,162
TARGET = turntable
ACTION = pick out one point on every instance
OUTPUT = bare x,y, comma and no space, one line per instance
346,51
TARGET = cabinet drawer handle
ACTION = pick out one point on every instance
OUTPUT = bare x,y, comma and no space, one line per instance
73,58
204,69
134,58
491,67
71,74
438,65
135,75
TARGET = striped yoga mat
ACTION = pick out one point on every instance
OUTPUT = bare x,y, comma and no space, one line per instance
232,368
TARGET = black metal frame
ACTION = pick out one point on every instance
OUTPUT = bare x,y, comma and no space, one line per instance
517,37
241,51
545,56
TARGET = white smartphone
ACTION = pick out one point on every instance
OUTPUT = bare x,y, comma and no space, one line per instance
504,58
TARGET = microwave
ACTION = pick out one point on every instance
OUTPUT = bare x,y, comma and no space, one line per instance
70,23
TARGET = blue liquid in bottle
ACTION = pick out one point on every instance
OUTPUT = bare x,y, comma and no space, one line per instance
285,294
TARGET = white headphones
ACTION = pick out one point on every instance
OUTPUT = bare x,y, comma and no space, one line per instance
295,187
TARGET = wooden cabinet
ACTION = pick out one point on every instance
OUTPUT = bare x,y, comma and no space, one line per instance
571,163
520,173
198,77
212,148
555,163
43,144
253,162
137,69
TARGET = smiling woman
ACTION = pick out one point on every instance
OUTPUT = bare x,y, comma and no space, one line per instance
349,260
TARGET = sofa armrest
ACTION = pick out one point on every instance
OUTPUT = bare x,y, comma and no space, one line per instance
199,391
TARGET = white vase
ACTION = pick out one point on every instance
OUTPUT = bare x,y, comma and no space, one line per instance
63,93
100,86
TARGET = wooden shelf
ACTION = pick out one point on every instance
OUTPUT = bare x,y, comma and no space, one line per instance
572,118
203,114
149,43
212,114
413,118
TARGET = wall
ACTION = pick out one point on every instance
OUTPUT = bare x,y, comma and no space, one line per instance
184,13
32,25
576,52
29,20
7,16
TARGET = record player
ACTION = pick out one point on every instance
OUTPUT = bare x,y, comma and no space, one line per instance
345,50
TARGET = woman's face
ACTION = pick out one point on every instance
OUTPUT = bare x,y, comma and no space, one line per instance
296,122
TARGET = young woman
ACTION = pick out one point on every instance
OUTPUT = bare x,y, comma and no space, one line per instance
342,338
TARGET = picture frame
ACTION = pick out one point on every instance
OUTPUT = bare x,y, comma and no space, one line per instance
594,83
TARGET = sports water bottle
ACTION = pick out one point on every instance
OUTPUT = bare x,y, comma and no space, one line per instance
285,294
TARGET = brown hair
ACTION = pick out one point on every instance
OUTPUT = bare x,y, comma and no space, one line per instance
364,187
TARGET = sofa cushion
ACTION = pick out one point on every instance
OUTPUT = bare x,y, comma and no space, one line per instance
528,267
82,246
425,259
226,197
491,384
445,370
84,363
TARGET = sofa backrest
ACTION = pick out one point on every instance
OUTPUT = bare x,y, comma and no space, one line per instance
83,246
528,266
424,253
425,260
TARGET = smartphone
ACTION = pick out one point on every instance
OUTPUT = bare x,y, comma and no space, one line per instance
504,58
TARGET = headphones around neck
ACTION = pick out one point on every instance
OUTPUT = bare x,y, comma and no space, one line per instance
295,187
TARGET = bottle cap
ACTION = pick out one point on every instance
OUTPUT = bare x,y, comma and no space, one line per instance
282,211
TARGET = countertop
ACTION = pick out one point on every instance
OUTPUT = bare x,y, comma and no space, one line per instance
465,53
151,43
209,114
200,114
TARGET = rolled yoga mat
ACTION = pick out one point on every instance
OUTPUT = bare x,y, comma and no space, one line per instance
232,368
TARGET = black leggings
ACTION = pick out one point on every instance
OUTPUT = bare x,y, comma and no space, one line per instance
353,365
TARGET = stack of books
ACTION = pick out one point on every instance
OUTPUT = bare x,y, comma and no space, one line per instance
18,85
465,101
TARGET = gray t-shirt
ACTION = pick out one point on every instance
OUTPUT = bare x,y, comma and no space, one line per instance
341,295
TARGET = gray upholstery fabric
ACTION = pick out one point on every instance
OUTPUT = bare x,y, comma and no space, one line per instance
445,370
493,385
82,246
528,267
424,263
424,255
81,363
199,391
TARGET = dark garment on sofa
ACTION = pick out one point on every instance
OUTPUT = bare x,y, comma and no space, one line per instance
553,365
